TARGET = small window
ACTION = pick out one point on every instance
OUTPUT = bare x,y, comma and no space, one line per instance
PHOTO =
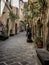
10,4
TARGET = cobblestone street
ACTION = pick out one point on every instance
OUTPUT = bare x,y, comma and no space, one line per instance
16,51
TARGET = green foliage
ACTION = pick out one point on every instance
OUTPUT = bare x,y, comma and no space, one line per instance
34,6
43,4
35,14
39,24
38,38
39,27
25,22
12,16
37,7
17,16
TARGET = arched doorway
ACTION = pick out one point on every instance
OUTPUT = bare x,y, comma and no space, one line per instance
16,28
7,25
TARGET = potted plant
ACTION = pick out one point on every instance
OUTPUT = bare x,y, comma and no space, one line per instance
38,38
39,27
39,41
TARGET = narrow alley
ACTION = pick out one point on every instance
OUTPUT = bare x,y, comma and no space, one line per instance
16,51
24,32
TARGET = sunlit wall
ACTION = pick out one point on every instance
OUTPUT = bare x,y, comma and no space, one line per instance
15,3
25,0
2,5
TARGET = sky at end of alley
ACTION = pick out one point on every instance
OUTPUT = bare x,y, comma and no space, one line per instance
25,0
14,3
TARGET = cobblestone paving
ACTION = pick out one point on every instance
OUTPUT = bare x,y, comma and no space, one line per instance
16,51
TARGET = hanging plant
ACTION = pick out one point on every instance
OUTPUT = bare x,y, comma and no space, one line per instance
12,16
36,14
34,8
43,4
39,27
38,7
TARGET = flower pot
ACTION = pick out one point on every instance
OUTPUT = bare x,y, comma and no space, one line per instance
39,44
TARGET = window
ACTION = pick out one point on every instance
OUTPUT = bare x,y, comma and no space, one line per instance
10,4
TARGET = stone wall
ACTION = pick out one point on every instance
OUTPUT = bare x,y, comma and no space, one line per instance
44,21
5,16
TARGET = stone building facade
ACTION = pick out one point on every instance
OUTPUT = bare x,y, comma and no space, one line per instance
21,13
44,21
4,15
4,18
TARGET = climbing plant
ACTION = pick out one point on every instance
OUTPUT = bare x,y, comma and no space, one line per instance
12,16
43,4
34,8
38,7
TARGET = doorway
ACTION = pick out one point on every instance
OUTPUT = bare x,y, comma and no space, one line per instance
16,28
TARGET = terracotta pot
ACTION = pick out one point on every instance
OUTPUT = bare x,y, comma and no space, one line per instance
39,44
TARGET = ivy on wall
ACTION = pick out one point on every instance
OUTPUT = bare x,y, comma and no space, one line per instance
38,7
